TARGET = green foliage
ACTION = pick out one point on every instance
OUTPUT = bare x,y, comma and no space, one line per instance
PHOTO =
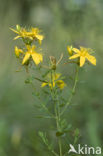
63,22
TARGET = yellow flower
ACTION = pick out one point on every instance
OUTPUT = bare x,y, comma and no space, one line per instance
22,33
55,81
70,50
35,34
18,51
37,58
60,84
32,34
83,54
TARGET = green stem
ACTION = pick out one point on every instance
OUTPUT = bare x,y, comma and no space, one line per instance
72,92
57,112
46,109
54,153
60,146
39,79
59,119
58,128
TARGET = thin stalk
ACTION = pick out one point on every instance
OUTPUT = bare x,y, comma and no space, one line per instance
60,143
54,153
58,127
46,109
39,79
57,112
60,146
72,92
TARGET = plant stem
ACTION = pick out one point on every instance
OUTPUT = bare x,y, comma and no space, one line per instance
72,92
59,119
54,153
60,146
57,112
46,109
58,128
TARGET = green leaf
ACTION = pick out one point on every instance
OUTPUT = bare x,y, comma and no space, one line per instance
28,80
58,134
67,128
44,117
76,133
40,134
37,94
39,79
62,105
46,73
43,137
63,124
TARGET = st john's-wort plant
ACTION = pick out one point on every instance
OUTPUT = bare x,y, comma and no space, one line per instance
52,83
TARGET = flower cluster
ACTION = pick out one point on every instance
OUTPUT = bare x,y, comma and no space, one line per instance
83,54
51,80
29,53
32,34
55,81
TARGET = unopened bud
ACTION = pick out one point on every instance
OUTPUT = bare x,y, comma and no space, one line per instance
53,62
18,27
70,50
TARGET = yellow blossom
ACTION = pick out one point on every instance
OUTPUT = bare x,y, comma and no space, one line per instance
35,34
83,53
18,51
55,81
22,33
70,50
32,34
37,58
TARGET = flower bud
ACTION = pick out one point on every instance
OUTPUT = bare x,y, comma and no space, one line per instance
70,50
53,62
18,27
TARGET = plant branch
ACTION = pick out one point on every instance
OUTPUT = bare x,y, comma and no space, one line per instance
48,111
57,112
72,92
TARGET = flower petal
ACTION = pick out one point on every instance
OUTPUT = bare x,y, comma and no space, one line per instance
28,47
60,84
52,85
74,56
37,58
39,37
26,58
44,84
82,61
14,30
56,76
33,47
76,50
83,49
18,51
15,38
70,50
91,59
35,30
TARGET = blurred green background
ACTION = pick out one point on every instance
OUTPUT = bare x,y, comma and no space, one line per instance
64,22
